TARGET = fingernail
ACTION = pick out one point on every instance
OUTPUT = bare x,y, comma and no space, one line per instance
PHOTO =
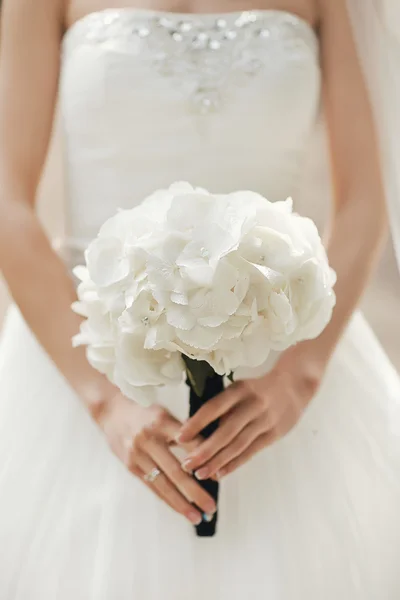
211,509
186,466
201,474
195,518
178,437
207,517
219,474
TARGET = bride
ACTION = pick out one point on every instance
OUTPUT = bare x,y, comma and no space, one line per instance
94,503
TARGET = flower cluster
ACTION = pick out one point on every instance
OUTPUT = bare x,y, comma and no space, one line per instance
218,278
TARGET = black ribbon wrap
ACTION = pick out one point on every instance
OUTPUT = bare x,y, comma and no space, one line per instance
214,385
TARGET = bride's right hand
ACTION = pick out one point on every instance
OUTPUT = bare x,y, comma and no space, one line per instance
142,438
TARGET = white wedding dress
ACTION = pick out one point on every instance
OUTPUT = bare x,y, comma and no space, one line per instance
226,102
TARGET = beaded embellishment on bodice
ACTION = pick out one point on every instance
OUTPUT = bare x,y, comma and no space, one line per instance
226,102
205,54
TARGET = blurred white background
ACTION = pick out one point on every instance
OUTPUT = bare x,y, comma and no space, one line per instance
382,300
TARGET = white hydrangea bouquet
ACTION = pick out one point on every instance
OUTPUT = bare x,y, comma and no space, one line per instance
195,283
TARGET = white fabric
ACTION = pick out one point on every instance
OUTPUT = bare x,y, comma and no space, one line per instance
316,515
134,121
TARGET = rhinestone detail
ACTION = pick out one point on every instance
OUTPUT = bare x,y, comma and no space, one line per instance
201,53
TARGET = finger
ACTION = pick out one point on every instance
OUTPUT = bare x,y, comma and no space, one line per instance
263,441
235,449
141,475
235,421
167,427
211,411
163,487
189,446
183,482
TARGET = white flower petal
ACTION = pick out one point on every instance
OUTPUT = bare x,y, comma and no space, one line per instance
213,320
80,308
161,274
241,288
144,395
159,336
226,275
180,298
180,317
216,241
102,359
199,274
106,261
141,367
81,273
203,338
188,210
216,302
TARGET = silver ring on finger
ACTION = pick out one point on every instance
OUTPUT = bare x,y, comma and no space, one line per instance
152,475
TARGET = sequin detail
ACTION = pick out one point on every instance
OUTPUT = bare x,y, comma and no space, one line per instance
200,53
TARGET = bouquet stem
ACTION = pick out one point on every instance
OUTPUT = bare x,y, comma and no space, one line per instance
214,385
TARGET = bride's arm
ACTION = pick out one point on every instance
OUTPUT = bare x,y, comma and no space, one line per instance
260,411
37,278
358,222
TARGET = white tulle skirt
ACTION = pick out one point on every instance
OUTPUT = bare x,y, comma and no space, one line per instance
315,517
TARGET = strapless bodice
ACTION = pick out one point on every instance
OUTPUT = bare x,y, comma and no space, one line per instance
225,102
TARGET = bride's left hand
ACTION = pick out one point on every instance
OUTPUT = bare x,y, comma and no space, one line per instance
253,414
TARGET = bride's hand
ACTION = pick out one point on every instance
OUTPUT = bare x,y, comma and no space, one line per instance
142,438
253,414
